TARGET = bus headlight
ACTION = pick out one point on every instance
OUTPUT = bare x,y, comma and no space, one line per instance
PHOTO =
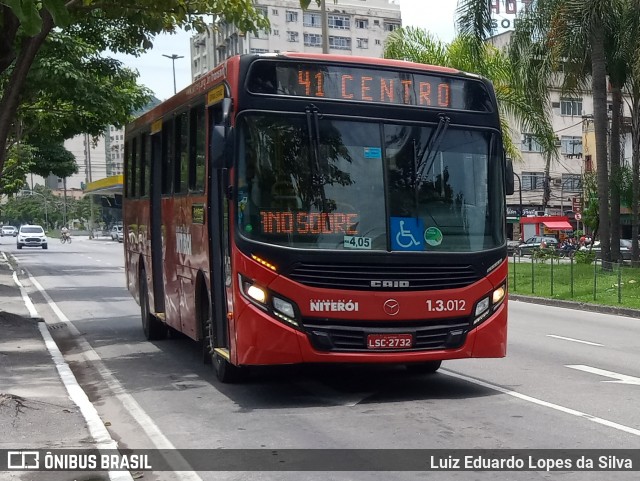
253,292
498,295
482,306
283,307
284,310
257,294
482,310
269,301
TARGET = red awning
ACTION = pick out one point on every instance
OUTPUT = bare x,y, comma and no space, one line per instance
558,225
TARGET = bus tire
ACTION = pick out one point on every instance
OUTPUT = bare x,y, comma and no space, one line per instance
427,367
153,329
225,371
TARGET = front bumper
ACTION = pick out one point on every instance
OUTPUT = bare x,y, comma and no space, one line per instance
32,241
262,340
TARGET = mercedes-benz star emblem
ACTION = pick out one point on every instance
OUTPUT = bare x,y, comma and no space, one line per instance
391,307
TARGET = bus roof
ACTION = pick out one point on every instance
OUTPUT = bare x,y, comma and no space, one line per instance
213,77
379,62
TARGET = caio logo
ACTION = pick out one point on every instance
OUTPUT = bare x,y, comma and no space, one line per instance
391,307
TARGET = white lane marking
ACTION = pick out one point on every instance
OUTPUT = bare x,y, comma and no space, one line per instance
619,378
575,340
25,297
540,402
154,433
96,427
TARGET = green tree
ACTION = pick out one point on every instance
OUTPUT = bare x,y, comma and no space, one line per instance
118,25
71,89
20,160
571,32
514,102
52,158
628,38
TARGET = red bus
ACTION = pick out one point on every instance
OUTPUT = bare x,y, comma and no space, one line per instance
300,208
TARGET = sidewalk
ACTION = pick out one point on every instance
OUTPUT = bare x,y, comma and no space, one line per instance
36,411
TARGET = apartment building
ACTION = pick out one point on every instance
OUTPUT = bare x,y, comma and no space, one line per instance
356,27
114,150
572,121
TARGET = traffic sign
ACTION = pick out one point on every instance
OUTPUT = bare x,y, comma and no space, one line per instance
578,216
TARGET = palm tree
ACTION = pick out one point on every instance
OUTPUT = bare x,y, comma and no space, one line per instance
567,28
464,53
628,45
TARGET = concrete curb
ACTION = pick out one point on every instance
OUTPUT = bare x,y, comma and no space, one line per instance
582,306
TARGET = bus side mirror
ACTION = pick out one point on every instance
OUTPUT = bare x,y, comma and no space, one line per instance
221,138
509,180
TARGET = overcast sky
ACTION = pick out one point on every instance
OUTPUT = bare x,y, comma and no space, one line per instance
155,70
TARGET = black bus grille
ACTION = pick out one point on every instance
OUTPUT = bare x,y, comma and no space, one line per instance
352,336
360,276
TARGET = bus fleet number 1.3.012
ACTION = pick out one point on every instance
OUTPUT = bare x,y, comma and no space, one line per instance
440,305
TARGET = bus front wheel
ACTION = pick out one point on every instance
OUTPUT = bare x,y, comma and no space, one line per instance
428,367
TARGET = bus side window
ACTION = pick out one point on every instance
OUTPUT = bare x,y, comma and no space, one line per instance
127,167
142,169
197,149
181,124
167,156
146,165
133,167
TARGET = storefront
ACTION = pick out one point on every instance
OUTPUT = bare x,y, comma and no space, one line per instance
557,226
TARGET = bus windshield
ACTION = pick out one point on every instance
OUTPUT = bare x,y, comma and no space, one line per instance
315,182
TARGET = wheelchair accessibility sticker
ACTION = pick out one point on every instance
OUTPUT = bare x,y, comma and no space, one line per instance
407,234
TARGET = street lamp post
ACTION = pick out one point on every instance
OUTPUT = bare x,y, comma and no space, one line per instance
173,58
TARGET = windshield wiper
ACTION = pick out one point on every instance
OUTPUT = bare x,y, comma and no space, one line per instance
428,157
318,179
433,146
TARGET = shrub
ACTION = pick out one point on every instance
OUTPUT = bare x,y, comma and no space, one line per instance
584,257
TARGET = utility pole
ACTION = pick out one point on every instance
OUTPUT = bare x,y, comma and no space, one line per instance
89,179
325,26
173,58
64,209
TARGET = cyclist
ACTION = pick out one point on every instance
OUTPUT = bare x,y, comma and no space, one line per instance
64,232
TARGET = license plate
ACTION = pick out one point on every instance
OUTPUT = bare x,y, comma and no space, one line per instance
389,341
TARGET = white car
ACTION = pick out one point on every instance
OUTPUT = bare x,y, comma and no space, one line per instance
31,236
8,230
116,233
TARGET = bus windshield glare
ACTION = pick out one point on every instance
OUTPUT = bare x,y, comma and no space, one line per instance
320,183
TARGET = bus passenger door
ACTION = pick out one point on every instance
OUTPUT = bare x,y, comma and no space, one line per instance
218,220
155,222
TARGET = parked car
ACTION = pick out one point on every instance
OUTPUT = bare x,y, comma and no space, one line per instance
512,246
625,249
533,243
8,230
116,233
31,236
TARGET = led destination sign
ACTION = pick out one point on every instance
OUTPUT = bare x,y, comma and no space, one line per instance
308,223
339,82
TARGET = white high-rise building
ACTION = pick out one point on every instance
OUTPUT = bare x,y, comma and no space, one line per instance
356,27
114,150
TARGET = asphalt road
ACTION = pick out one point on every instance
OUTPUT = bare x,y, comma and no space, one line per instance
571,380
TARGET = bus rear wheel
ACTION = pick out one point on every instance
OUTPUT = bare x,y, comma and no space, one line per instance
225,371
427,367
153,329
